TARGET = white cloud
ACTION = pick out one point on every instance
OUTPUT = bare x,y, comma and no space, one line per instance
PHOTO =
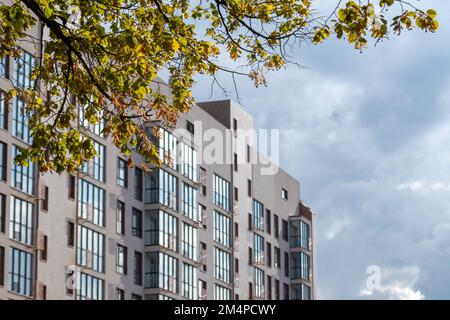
396,284
336,228
424,187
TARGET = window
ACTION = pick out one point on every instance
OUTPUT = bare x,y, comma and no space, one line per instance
120,294
161,271
4,66
284,230
258,215
167,148
20,127
3,110
2,266
268,221
250,291
250,256
221,192
249,187
135,297
235,162
89,287
300,234
189,242
203,253
190,127
286,264
96,166
236,265
221,293
276,226
259,283
162,187
188,163
22,177
90,249
284,194
222,229
23,66
300,266
136,223
99,125
189,282
2,212
161,229
236,230
44,249
269,254
277,262
202,214
300,292
249,159
91,203
190,203
250,223
203,181
70,233
138,184
120,217
21,221
71,187
202,295
277,289
137,268
269,288
3,160
222,265
45,199
258,249
236,194
122,173
121,259
20,272
285,291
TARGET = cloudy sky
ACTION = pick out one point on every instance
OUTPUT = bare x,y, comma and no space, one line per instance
368,136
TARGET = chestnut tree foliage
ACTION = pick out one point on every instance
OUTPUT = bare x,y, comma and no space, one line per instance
105,55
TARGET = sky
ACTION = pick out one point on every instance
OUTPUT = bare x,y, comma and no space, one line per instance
368,137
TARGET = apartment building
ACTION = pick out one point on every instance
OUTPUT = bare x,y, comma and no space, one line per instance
207,224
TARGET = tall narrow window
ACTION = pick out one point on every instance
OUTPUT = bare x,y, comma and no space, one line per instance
4,66
168,148
137,223
20,127
222,229
277,255
138,184
284,194
120,217
22,177
21,221
70,234
96,166
20,272
222,261
190,203
2,266
268,221
90,249
276,226
45,199
3,160
72,182
249,187
3,111
235,124
44,249
284,229
91,203
121,259
235,162
258,215
189,282
2,212
23,66
122,173
258,249
189,242
221,192
269,254
137,268
259,283
286,264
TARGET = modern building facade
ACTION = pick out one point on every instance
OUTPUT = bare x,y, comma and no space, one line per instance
207,224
